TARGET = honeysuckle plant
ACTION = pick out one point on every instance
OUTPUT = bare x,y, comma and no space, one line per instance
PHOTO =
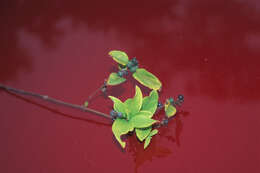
134,114
140,74
137,113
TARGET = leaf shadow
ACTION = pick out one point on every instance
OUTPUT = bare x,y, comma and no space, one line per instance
156,149
115,91
117,143
145,90
176,127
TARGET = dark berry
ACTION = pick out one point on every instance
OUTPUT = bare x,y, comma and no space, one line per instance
134,61
165,121
133,69
180,97
119,115
113,113
159,105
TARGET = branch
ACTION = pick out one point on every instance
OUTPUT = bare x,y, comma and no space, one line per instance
55,101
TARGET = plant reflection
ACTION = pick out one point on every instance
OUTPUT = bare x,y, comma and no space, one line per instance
201,40
156,149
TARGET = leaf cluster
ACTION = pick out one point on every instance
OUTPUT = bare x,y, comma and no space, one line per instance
137,116
140,74
136,113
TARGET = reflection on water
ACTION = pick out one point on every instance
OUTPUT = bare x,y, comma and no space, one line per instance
204,49
187,33
156,149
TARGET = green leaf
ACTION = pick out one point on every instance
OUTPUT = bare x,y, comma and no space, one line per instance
147,141
134,104
150,102
86,104
147,79
147,114
154,132
169,110
149,138
114,79
142,121
118,105
121,127
119,56
143,133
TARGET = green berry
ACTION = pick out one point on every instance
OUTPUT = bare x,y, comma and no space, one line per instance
120,73
159,105
133,69
171,100
130,64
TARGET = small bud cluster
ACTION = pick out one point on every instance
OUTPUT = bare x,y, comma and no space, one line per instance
178,102
159,105
104,87
122,73
132,65
115,114
165,122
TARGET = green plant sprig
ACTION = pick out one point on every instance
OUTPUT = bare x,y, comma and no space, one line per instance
134,114
125,65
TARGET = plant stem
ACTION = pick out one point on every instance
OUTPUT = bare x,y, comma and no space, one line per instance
52,100
96,91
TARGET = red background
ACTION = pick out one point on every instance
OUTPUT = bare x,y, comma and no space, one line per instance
206,50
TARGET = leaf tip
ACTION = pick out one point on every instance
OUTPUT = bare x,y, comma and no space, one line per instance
123,144
86,104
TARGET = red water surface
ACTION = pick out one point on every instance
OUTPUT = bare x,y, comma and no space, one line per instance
206,50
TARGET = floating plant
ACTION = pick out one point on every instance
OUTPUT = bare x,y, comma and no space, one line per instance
134,114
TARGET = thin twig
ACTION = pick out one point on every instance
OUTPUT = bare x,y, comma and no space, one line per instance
102,88
55,101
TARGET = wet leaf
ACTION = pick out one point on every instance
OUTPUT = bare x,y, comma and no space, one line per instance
154,132
147,141
119,56
143,133
147,114
118,105
121,127
134,104
142,121
150,102
147,79
149,138
114,79
169,110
